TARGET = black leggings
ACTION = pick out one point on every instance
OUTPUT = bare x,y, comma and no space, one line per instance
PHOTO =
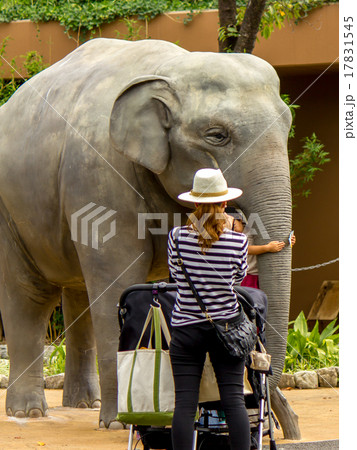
188,348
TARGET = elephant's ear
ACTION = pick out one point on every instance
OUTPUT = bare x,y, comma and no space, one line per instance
140,120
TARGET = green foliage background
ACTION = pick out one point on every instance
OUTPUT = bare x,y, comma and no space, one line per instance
310,350
307,163
276,12
33,63
89,14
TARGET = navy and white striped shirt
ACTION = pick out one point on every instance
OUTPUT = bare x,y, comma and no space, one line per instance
213,274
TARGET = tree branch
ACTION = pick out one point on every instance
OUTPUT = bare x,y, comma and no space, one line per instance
227,11
250,26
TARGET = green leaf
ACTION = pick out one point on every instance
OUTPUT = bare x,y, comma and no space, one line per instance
314,336
330,347
301,324
301,343
329,331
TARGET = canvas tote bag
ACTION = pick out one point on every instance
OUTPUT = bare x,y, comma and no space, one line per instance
145,381
209,391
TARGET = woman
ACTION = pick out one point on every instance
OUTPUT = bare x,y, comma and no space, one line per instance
215,259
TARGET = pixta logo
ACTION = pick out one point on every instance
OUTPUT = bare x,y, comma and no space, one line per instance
90,218
160,222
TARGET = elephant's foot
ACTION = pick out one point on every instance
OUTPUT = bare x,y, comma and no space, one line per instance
83,404
83,395
31,405
108,414
113,425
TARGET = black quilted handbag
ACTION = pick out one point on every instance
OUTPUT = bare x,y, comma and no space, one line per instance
239,334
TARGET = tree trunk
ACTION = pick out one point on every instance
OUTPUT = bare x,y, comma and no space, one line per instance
288,419
227,12
2,334
250,26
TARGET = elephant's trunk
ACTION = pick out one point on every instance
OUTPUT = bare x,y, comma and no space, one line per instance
268,210
274,280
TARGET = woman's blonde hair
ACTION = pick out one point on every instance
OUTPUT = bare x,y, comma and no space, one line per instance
208,221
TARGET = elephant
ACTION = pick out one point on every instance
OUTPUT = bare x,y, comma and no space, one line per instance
115,131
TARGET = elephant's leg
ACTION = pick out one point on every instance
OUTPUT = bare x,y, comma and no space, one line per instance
81,384
107,332
105,321
27,302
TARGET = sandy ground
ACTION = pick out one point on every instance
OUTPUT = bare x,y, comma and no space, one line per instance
68,428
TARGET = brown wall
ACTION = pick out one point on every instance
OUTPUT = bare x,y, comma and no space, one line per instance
314,41
50,40
315,219
300,54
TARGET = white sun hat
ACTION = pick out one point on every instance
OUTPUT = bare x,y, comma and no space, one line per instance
210,186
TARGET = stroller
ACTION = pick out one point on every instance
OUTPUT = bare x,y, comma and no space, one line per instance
211,431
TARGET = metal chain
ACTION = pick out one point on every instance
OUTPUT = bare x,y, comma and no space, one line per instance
315,267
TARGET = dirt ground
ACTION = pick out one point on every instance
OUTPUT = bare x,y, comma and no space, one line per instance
68,428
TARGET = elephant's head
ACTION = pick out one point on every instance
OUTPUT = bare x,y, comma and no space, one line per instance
221,111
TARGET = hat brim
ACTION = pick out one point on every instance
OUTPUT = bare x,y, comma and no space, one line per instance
232,193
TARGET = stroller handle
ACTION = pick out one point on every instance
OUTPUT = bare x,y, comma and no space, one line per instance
155,288
246,299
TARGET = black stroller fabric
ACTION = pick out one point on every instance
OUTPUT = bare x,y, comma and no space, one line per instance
134,307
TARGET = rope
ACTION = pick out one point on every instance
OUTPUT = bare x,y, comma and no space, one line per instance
315,267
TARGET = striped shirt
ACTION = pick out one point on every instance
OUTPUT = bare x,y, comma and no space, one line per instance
213,274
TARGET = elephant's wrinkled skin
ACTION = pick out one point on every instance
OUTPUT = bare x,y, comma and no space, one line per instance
125,125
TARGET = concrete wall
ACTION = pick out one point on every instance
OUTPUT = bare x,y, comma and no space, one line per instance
304,56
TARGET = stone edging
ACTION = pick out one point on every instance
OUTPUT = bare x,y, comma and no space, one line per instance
308,379
305,379
50,382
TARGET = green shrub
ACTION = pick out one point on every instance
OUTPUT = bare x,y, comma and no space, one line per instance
277,13
311,350
57,360
55,328
33,64
4,367
87,15
305,164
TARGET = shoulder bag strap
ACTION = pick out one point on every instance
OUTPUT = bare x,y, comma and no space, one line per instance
188,279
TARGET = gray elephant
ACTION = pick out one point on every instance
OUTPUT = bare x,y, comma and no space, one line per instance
122,127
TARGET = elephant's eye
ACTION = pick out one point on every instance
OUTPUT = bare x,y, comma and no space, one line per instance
217,136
